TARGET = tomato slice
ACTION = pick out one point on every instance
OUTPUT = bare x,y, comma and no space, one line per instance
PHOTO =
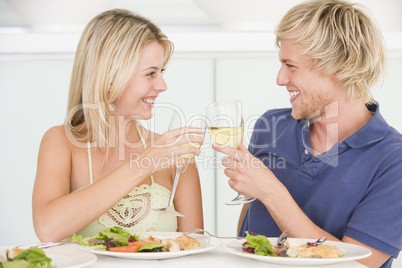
140,243
124,249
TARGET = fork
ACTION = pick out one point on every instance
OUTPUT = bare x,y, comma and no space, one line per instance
202,230
43,244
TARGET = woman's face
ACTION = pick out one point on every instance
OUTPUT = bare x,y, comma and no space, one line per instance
146,84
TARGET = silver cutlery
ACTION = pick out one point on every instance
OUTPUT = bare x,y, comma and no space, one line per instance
43,244
208,233
280,244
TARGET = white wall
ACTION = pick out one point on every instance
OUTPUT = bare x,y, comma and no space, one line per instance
32,98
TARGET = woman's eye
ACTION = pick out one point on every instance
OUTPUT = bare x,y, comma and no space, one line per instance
152,74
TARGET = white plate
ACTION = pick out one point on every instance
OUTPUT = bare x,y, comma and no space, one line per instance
63,258
207,243
351,252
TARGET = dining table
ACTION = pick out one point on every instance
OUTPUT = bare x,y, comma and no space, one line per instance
218,257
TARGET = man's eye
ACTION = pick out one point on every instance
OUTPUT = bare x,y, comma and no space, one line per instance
290,66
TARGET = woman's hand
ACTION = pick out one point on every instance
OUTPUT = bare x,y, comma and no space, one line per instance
167,150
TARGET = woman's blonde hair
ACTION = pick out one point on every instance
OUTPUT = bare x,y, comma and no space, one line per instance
106,59
341,39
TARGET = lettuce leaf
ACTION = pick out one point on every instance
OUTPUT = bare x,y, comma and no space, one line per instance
35,256
260,244
16,264
151,248
114,233
117,233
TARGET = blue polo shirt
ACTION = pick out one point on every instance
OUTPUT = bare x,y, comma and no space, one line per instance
354,189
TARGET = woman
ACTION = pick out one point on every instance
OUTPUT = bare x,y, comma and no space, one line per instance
102,169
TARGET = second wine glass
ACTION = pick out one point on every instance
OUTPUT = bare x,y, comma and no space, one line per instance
226,127
180,119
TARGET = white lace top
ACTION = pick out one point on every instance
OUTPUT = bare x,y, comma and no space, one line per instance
134,212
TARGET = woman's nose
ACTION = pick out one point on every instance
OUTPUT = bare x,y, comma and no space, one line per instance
161,84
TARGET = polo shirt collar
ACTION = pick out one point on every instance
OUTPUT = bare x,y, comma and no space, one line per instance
375,130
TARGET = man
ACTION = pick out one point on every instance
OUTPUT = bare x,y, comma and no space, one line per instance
341,163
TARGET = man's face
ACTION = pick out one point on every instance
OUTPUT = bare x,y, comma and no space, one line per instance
309,90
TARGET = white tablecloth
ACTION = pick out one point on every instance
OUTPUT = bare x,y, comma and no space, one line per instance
215,258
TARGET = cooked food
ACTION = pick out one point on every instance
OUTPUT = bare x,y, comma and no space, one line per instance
11,253
321,251
172,245
146,237
260,245
188,242
116,239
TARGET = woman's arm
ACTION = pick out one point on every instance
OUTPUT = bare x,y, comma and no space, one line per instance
188,199
57,214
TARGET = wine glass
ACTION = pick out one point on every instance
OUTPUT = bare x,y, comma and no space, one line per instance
226,127
180,119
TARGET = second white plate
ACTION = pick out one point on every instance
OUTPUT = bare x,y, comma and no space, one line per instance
71,258
351,252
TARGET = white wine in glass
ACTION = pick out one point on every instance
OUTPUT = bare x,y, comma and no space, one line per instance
226,127
229,136
180,119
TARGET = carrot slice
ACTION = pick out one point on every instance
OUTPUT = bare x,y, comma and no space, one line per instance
124,249
275,250
140,243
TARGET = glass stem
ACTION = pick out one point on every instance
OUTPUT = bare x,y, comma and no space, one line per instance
174,185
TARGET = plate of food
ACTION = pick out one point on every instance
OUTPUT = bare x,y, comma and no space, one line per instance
52,257
299,251
147,245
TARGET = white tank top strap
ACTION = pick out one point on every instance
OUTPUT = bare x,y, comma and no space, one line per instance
91,178
143,143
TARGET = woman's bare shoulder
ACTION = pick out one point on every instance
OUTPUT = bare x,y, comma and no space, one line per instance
55,133
61,136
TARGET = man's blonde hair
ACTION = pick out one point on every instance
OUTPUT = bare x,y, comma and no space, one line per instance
107,56
341,39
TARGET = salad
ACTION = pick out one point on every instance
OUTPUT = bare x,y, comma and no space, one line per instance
116,239
260,245
30,258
